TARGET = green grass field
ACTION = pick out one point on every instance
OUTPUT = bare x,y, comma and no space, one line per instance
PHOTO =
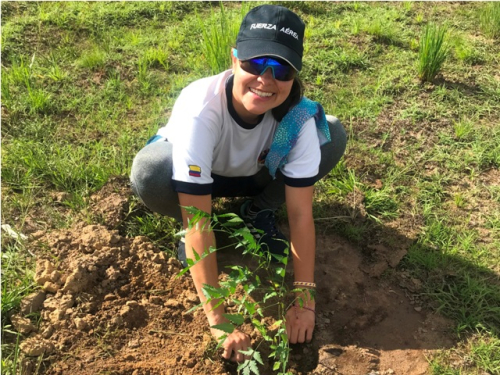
85,84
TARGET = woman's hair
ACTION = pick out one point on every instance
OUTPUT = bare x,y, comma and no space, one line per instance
294,98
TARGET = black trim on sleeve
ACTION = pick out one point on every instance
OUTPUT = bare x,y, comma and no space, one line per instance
190,188
299,182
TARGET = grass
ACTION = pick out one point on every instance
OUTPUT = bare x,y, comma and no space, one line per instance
490,20
85,84
218,36
17,275
433,52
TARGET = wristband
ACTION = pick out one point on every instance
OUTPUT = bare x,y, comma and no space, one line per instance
304,284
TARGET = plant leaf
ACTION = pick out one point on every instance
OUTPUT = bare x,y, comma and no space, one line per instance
254,368
235,318
258,358
270,295
225,327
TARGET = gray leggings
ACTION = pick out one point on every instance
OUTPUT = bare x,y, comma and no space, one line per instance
151,176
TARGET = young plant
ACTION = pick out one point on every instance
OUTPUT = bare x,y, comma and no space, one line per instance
249,294
433,52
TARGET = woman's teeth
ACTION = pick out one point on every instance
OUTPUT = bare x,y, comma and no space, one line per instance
261,93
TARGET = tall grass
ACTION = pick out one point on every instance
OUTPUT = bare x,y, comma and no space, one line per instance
490,19
433,52
219,34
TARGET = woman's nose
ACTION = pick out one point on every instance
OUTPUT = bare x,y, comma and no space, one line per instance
268,74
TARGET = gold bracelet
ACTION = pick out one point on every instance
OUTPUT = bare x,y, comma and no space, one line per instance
304,284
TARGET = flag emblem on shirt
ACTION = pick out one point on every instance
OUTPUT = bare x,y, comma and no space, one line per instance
194,171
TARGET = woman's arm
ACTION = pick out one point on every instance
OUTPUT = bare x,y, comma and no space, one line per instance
200,238
205,271
300,322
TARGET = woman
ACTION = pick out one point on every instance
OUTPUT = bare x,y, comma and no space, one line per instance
246,132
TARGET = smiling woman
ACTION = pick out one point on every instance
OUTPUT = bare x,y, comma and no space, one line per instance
260,85
246,132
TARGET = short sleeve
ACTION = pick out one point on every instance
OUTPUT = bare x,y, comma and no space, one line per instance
303,160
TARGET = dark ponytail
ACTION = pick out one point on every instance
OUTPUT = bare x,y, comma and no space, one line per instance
294,98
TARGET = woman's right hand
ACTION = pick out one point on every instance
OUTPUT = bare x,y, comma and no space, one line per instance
233,343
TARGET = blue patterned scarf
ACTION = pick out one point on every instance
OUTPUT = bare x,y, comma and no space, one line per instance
288,130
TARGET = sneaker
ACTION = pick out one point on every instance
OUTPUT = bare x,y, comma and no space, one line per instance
271,240
181,252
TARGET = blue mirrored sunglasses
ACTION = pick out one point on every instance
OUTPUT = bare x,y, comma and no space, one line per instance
258,66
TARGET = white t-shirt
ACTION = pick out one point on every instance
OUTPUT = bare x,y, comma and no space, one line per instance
208,137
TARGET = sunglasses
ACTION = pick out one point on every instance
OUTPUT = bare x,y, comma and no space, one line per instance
258,66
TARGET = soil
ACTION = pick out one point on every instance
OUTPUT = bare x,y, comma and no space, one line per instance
109,304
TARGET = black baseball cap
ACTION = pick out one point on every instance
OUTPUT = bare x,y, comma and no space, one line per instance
271,30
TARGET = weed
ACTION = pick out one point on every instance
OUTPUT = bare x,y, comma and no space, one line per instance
408,6
143,76
459,200
419,18
93,59
463,129
39,101
355,26
432,52
57,74
156,57
383,30
465,51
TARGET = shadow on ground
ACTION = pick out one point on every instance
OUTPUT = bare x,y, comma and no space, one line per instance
375,314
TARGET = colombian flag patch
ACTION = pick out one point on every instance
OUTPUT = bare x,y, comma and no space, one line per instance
194,171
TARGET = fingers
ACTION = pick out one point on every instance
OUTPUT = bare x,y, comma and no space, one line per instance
301,335
235,342
238,356
309,335
228,351
299,325
294,335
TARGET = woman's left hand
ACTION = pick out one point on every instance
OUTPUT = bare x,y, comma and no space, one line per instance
299,324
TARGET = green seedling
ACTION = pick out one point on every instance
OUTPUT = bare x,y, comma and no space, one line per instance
242,286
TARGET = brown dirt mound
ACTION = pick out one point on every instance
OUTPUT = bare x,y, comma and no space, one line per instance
115,305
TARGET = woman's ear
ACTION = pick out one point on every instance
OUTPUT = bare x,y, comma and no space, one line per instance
233,59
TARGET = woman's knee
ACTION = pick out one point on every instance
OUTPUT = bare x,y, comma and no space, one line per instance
332,152
151,175
152,164
337,133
